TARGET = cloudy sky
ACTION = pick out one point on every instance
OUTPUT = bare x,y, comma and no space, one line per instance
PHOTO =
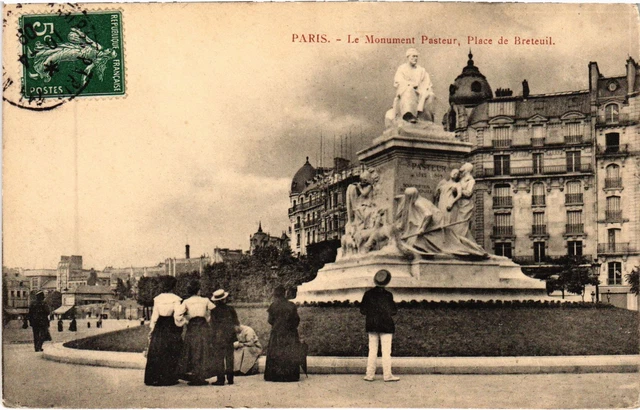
222,108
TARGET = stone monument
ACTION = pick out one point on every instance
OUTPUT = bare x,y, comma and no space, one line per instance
411,213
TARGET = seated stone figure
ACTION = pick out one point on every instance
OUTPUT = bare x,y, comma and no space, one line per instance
414,95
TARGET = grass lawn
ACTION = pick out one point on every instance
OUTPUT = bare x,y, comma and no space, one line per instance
439,331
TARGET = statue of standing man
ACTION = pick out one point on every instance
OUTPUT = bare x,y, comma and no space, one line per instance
414,94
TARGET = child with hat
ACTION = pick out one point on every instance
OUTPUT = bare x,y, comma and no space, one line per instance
223,322
378,307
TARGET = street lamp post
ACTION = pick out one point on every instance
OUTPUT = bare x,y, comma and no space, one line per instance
596,271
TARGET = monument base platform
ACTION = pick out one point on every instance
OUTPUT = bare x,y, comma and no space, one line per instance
439,279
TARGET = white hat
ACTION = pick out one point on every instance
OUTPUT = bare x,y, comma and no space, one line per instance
219,295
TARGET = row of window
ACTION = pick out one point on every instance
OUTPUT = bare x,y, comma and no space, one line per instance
502,195
332,200
19,293
503,225
574,248
502,165
502,135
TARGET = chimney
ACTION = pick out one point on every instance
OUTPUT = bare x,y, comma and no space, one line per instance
525,89
187,251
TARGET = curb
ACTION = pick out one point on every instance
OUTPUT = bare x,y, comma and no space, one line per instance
401,365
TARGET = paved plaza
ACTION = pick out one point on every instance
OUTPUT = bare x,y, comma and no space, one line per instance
30,381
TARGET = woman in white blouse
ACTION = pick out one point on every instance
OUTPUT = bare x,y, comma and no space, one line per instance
196,364
165,338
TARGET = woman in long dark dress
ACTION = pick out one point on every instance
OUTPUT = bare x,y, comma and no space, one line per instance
196,363
165,344
283,363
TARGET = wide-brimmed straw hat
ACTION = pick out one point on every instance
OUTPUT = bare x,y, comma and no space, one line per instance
382,277
219,295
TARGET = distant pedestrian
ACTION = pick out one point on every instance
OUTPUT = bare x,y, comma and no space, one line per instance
378,307
39,319
196,363
283,359
165,338
88,324
223,323
73,326
60,325
99,323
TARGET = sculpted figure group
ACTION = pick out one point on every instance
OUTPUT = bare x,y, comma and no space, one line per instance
416,226
368,227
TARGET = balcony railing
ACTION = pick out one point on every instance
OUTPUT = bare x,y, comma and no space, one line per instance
537,200
539,229
490,172
502,202
613,216
530,260
573,199
546,169
613,150
296,226
574,229
613,182
561,169
611,248
537,142
573,139
311,204
295,208
503,231
501,143
521,171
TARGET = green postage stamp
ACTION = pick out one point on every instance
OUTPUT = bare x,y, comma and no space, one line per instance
72,54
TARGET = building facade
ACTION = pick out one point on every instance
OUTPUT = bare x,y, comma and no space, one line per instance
261,239
615,109
551,171
318,203
221,255
69,272
16,293
41,279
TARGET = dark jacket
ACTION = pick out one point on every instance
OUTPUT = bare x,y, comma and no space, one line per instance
378,307
223,322
38,314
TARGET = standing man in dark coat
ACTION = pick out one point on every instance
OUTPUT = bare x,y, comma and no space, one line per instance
39,319
283,357
378,307
223,322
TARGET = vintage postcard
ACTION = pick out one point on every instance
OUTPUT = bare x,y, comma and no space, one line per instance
203,200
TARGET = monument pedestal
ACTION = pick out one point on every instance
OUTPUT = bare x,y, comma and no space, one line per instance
438,279
404,160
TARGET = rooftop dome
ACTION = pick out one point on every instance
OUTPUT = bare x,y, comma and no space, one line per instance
471,87
304,174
